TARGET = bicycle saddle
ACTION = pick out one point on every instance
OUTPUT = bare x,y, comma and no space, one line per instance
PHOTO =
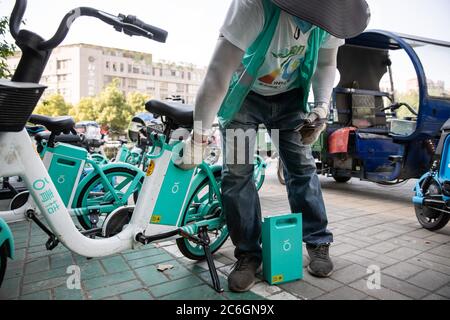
180,114
55,125
64,138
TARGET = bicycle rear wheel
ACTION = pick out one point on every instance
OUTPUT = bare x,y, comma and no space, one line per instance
204,205
96,193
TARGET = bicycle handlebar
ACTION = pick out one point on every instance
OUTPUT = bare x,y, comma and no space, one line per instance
129,25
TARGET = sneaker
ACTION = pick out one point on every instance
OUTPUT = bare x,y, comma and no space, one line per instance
321,265
243,276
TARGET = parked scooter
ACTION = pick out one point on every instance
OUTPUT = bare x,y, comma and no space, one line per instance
432,198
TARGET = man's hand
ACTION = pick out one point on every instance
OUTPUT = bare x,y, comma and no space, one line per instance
310,134
194,151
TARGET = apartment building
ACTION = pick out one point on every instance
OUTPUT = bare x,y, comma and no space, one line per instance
82,70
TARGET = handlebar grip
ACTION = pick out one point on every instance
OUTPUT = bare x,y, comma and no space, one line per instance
159,35
16,17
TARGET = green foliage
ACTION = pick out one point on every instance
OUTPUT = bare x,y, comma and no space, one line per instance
110,108
84,110
136,102
6,49
53,106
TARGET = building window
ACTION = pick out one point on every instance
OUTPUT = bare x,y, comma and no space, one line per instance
114,67
62,64
122,67
107,65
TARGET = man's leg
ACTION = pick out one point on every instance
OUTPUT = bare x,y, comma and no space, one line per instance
305,196
239,195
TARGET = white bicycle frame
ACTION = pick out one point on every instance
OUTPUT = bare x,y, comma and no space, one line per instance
18,158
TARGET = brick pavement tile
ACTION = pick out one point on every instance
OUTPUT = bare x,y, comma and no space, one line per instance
403,253
434,258
443,251
403,287
429,279
325,284
45,275
385,235
264,290
344,293
366,253
349,274
150,260
434,297
10,289
169,287
203,292
37,265
139,254
382,247
342,248
177,272
283,296
302,289
61,260
382,294
44,285
445,291
362,261
150,276
402,270
63,293
114,290
440,238
42,295
430,265
137,295
107,280
114,264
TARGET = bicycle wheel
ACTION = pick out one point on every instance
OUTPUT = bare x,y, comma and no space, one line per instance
203,206
259,174
96,193
3,262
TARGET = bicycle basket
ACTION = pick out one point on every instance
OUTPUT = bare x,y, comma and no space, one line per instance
17,102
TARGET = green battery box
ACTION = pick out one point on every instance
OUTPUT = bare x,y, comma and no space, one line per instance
282,241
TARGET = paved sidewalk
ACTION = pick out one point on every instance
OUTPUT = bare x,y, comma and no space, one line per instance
373,226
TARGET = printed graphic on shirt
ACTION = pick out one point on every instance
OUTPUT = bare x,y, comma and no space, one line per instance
291,59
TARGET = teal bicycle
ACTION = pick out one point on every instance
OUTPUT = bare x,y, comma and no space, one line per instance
90,188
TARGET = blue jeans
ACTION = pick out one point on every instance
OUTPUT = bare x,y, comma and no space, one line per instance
240,197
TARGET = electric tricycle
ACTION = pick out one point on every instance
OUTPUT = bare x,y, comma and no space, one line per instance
185,205
388,108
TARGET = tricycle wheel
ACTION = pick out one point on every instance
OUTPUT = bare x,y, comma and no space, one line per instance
3,262
340,179
431,219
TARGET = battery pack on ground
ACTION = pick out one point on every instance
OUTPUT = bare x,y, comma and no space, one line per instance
282,241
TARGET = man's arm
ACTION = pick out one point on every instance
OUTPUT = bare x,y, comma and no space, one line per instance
323,80
225,61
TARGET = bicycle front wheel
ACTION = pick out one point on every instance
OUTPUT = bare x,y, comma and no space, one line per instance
204,205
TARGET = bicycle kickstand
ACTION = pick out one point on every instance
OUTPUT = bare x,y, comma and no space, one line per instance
205,242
